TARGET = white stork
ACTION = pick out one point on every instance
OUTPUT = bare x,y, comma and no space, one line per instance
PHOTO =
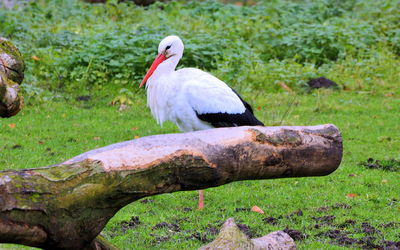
191,98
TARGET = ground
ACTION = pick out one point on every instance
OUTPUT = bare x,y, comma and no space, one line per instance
81,57
356,206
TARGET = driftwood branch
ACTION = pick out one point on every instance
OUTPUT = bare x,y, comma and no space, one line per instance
67,205
11,75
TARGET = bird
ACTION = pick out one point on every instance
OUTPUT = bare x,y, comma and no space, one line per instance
191,98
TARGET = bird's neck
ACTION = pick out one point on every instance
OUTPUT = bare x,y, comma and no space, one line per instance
166,67
159,89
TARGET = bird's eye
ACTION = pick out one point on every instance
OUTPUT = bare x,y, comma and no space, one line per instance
169,46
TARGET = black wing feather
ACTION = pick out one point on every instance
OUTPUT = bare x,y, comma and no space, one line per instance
243,101
231,120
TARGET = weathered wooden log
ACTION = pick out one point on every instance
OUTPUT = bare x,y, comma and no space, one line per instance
66,206
230,237
11,75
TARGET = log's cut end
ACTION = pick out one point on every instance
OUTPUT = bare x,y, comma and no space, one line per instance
11,75
10,100
11,62
299,151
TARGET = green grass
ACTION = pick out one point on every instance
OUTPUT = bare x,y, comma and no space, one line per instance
103,51
53,132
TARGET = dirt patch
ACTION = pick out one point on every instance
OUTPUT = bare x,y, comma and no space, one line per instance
392,224
245,229
323,209
390,245
271,220
321,82
295,234
83,98
145,201
132,223
170,226
371,240
187,209
391,165
339,237
212,230
323,221
335,206
347,223
242,209
295,213
179,220
368,229
123,226
341,206
327,219
333,234
160,238
198,236
368,243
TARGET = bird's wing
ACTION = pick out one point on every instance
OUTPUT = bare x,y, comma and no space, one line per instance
244,102
214,101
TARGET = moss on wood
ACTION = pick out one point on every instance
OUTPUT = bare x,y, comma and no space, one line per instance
11,75
11,58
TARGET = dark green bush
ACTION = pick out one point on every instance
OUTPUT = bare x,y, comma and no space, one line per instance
320,42
79,45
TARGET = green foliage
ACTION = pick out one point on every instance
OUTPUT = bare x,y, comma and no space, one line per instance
320,43
82,46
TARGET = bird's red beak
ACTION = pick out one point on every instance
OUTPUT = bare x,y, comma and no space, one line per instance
159,59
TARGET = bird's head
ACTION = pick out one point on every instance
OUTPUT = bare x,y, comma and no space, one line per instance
169,47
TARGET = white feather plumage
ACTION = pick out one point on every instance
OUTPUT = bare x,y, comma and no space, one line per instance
177,95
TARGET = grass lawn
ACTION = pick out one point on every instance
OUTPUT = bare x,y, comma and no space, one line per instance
72,48
52,132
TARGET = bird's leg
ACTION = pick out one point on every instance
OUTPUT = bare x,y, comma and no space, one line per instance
201,201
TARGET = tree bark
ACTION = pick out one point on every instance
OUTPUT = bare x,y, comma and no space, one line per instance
11,75
66,206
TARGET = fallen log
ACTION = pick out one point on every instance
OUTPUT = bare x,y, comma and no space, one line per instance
65,206
230,237
11,75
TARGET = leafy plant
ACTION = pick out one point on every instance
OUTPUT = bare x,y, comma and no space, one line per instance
82,47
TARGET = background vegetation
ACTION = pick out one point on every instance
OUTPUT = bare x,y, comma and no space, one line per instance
80,57
82,47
